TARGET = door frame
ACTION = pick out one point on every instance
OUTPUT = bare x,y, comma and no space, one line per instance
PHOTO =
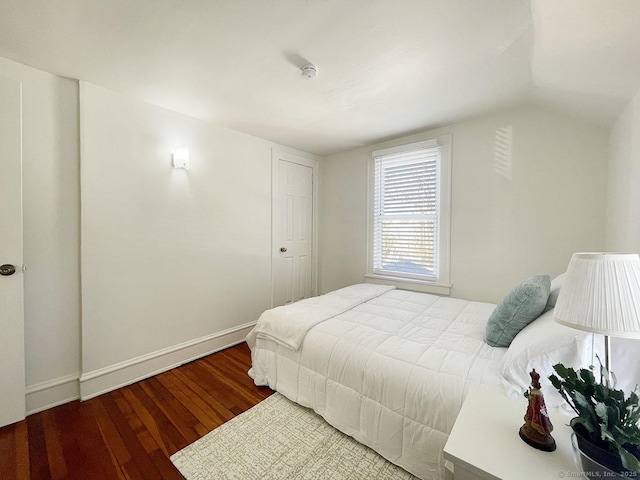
306,160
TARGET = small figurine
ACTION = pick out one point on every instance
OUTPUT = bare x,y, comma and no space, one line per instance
537,428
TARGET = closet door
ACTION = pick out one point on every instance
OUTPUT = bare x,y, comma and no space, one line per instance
293,228
12,369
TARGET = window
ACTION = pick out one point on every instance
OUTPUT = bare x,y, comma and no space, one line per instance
409,208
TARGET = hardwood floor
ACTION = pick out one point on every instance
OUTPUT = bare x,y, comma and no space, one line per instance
131,432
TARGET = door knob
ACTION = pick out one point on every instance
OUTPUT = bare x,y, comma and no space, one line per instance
283,249
7,269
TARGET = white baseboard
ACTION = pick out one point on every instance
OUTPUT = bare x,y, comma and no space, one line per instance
59,391
52,393
109,378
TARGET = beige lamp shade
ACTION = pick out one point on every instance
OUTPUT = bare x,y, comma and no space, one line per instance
601,294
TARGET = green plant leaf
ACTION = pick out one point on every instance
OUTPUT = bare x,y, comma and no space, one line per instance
629,461
589,424
561,370
581,401
587,376
606,435
618,395
571,374
604,412
614,379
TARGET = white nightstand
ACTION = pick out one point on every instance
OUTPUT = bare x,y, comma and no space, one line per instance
484,443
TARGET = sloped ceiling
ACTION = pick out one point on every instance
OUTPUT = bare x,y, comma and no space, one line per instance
386,67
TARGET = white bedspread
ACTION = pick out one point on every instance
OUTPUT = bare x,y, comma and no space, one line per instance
288,325
392,372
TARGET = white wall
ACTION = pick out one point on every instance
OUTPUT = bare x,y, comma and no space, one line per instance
503,229
51,234
174,263
623,207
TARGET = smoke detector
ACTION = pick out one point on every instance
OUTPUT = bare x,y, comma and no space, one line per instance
309,71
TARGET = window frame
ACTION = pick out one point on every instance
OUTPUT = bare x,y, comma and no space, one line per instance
442,284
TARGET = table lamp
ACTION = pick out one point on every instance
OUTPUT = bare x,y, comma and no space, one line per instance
601,294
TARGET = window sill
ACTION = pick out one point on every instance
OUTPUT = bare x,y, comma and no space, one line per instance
410,284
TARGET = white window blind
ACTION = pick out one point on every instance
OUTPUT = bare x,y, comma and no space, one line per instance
406,213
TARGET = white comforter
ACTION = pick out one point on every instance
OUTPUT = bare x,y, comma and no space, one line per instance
392,372
289,324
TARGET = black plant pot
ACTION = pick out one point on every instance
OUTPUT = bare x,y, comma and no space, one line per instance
594,457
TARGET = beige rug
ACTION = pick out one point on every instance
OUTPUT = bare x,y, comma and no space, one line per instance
277,440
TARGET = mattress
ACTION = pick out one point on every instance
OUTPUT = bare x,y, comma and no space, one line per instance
391,371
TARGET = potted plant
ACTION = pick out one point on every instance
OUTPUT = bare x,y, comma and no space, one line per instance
606,427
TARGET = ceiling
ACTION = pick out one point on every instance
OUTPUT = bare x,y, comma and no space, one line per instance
386,67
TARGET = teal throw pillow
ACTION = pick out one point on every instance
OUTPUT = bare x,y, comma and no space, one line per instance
519,308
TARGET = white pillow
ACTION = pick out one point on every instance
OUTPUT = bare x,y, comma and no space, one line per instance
540,345
554,291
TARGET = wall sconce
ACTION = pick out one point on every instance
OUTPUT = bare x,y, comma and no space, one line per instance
181,158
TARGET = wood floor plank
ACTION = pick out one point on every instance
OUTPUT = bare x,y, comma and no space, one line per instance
14,451
182,419
164,433
130,433
211,390
110,434
189,399
64,416
217,409
123,418
8,452
233,388
23,463
38,448
96,459
55,454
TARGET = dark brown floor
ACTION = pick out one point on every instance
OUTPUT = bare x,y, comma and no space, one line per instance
131,432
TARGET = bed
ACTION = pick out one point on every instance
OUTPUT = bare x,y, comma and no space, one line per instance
391,368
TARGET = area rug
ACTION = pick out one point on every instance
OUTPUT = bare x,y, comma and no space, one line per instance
277,440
